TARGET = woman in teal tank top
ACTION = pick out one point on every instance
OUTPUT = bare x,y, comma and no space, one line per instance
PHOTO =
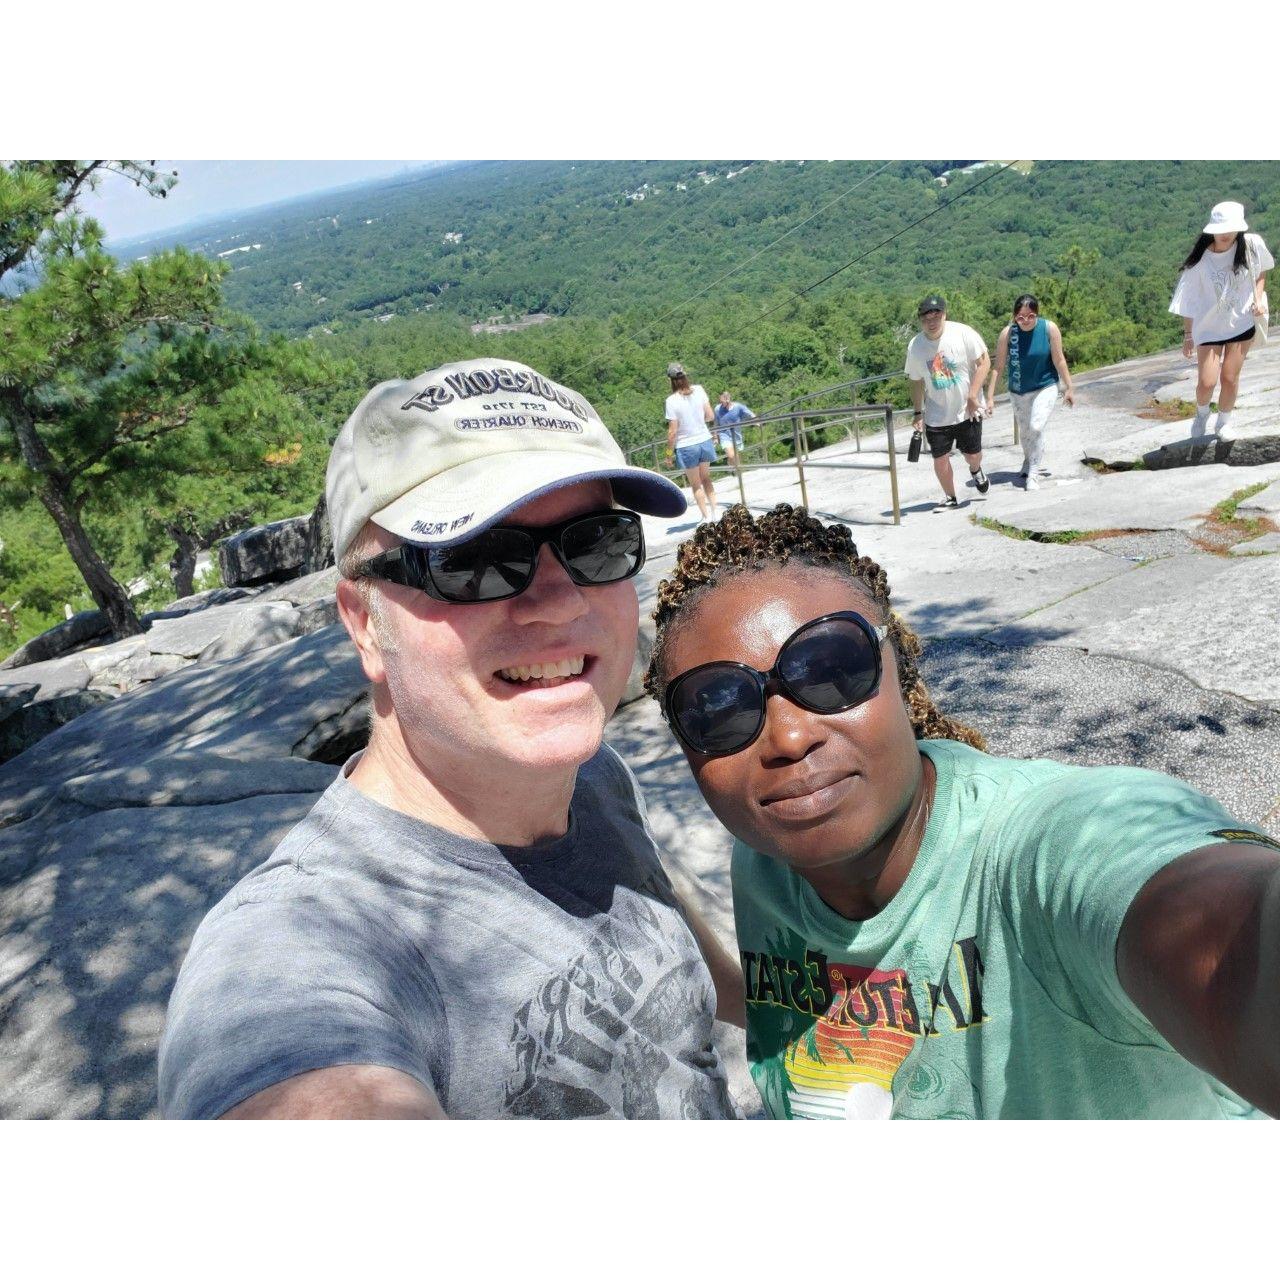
1031,347
930,931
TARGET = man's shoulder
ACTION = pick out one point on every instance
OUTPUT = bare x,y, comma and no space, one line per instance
607,775
294,880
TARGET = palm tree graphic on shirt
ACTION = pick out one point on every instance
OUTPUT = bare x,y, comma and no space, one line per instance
942,372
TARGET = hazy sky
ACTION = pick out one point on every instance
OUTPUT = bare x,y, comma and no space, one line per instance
207,188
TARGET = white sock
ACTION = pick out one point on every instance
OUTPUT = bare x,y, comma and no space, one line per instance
1220,427
1201,420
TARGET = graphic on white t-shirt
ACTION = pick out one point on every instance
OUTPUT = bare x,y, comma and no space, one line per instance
943,373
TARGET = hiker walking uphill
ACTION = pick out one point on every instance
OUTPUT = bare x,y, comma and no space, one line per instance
729,414
947,363
688,413
1221,297
1032,348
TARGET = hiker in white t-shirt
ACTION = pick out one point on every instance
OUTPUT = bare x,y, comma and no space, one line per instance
947,363
1221,297
689,437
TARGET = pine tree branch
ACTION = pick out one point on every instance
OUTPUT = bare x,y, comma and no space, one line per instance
127,436
78,177
31,447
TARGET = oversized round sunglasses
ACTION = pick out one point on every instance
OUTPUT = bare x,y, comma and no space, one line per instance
595,549
827,665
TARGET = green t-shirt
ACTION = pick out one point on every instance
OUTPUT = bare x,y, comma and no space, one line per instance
1007,928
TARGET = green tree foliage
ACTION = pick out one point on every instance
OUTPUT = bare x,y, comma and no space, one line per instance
634,238
130,399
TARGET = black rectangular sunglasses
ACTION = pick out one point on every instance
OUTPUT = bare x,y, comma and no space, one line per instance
595,549
828,665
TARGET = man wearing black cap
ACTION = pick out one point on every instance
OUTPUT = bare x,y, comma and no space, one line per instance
473,920
947,362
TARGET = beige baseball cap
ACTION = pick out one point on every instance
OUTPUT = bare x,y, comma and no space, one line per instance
440,457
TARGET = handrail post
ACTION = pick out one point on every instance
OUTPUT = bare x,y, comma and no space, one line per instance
893,464
795,437
857,435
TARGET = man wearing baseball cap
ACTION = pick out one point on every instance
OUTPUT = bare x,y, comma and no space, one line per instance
473,920
947,363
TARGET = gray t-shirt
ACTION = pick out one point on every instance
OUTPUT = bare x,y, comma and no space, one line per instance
554,981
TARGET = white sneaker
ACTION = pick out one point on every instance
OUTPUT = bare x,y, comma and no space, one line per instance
1226,434
1199,425
1032,483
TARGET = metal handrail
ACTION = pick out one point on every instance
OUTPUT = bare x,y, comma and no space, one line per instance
839,386
656,447
800,449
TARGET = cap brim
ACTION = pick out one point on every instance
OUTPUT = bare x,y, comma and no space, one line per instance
1220,230
463,501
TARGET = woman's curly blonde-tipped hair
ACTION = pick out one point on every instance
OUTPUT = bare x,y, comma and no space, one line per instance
739,542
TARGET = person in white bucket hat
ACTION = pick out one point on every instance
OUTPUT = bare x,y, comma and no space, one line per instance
1221,297
473,920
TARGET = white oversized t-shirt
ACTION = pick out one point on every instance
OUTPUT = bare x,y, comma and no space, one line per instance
691,423
1217,298
944,368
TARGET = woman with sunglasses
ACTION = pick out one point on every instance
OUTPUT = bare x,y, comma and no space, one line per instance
1221,297
1031,348
930,931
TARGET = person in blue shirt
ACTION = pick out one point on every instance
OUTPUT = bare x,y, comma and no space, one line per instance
729,413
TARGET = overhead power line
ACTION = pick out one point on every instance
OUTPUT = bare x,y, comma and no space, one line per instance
747,262
831,275
612,347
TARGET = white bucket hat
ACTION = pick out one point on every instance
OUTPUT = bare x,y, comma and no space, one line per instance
445,455
1225,218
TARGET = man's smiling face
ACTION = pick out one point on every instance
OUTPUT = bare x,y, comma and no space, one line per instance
461,680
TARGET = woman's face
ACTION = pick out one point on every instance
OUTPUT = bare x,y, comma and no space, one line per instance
813,790
1026,319
1222,243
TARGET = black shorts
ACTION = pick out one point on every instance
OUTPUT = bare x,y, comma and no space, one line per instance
1246,336
966,436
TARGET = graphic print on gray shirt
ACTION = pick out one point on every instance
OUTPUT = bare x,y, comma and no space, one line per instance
558,981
